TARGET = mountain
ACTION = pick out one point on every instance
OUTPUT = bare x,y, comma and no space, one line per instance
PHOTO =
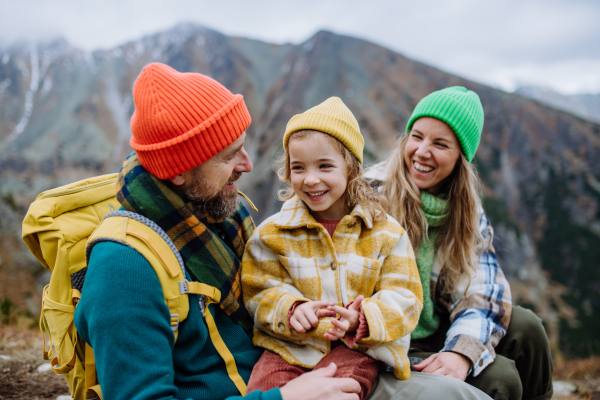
64,115
584,105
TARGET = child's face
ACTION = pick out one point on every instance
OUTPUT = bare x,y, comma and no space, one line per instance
319,175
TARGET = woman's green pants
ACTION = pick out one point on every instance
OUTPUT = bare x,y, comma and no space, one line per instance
523,365
522,368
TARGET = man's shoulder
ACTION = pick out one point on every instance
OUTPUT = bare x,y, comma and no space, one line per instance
111,253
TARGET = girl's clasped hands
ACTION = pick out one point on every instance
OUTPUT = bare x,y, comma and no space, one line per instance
306,316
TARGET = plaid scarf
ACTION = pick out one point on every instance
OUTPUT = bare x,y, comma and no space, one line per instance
211,249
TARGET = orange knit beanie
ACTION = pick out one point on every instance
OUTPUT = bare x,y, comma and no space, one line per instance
182,119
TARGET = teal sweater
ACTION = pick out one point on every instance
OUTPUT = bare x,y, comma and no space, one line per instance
123,315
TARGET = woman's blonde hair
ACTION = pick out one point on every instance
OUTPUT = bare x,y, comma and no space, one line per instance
459,240
358,190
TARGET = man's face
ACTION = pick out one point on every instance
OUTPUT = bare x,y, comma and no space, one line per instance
211,185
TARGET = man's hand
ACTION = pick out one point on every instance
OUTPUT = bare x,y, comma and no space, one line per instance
321,385
348,321
306,315
446,363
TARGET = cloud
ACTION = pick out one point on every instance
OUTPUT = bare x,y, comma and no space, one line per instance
492,41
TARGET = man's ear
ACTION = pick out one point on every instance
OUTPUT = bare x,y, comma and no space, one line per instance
177,180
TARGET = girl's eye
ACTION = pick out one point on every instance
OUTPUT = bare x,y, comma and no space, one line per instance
296,168
323,166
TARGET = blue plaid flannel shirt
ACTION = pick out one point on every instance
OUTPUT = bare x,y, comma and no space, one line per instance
479,307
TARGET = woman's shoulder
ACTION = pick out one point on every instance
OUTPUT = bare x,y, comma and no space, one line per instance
484,222
377,172
485,230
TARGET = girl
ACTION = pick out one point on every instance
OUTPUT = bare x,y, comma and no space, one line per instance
331,250
433,190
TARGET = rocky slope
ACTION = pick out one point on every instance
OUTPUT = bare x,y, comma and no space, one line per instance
64,116
584,105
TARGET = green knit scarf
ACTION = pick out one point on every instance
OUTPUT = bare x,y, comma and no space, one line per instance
211,249
436,211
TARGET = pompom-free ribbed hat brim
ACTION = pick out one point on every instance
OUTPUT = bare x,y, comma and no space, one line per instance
458,107
331,117
182,119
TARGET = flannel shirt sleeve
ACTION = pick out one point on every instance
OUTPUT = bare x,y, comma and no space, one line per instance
269,294
480,316
393,310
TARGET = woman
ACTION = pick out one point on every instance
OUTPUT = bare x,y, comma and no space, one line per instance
468,328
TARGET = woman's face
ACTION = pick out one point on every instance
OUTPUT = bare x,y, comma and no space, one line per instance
431,153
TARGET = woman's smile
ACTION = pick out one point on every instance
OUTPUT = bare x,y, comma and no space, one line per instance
421,168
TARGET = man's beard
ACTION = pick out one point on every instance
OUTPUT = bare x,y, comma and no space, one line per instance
219,206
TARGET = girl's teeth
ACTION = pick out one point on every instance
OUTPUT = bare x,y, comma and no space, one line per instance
422,168
315,194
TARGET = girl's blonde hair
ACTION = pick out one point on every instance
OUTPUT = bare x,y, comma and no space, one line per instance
358,190
459,241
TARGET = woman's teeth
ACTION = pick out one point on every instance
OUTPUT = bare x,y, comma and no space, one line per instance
422,168
316,194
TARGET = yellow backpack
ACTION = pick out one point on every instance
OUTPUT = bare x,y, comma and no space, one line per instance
61,228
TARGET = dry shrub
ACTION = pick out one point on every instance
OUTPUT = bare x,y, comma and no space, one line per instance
19,337
578,370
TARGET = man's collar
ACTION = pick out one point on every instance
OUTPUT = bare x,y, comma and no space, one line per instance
295,214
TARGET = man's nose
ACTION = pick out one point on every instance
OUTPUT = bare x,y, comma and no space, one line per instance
245,164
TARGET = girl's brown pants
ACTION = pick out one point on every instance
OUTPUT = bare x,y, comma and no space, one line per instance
272,371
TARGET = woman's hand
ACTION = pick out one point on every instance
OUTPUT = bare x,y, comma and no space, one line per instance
446,363
348,321
306,315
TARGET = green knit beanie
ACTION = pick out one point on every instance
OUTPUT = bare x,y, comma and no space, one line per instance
459,108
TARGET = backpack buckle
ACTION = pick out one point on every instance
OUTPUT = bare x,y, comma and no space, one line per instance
183,287
202,303
174,322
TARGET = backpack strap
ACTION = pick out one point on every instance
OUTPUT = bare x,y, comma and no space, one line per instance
148,239
91,379
211,295
152,242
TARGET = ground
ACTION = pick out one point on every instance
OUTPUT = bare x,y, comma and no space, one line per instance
21,355
584,374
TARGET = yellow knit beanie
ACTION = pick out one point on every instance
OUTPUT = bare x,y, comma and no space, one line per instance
331,117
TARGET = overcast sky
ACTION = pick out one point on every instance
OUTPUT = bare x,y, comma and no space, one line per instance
504,43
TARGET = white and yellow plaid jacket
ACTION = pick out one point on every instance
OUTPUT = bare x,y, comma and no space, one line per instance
291,257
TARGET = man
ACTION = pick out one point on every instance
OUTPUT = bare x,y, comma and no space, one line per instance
188,136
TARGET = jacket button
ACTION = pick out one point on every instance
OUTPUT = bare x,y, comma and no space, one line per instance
480,363
281,326
333,265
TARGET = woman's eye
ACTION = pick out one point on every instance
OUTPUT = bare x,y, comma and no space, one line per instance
442,145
